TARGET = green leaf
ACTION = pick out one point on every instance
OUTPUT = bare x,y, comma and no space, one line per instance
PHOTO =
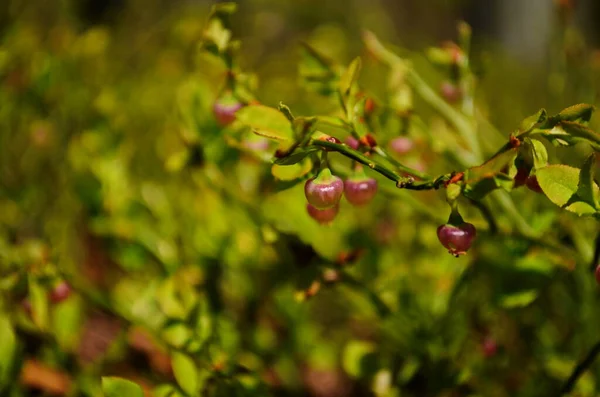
538,153
217,34
7,350
519,299
186,373
113,386
287,112
580,131
303,128
531,121
439,56
166,390
358,358
39,303
175,299
350,76
492,167
297,156
559,183
581,111
266,121
291,172
586,188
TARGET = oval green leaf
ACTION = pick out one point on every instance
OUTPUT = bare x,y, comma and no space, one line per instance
559,183
291,172
186,373
266,121
118,387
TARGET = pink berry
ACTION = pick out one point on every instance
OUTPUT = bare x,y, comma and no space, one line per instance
324,191
489,347
450,91
325,216
60,292
352,142
26,303
360,191
401,145
521,177
457,239
598,274
225,108
533,184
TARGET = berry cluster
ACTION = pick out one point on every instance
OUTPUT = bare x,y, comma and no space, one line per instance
324,192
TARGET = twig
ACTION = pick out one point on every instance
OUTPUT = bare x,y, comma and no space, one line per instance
596,253
580,369
487,214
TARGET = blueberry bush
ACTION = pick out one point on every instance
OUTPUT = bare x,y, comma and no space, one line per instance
184,213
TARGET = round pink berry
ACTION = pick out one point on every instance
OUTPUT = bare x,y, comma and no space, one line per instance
352,142
325,216
533,184
60,292
360,191
450,91
598,274
402,145
324,191
224,111
457,239
489,346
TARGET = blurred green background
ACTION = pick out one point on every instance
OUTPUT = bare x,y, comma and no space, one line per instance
191,272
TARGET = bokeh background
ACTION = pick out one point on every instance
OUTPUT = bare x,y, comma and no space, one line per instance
191,272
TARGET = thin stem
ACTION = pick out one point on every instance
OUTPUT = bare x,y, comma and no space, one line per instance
596,253
580,369
461,123
402,182
487,214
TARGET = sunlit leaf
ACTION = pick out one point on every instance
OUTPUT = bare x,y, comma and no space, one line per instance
533,120
186,373
559,183
297,156
350,76
538,152
357,359
118,387
581,111
492,167
580,131
291,172
7,350
266,121
519,299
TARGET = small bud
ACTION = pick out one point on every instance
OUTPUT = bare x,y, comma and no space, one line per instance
331,276
369,106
